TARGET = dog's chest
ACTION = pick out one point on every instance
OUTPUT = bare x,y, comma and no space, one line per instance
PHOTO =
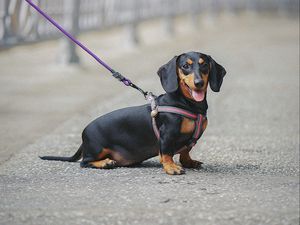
187,126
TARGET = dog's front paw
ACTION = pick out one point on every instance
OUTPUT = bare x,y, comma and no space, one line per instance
192,164
173,169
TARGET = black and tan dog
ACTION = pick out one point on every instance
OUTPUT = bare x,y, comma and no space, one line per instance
126,136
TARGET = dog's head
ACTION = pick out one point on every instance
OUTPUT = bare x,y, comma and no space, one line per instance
191,72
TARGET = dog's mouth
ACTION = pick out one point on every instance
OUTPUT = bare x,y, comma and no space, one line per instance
197,95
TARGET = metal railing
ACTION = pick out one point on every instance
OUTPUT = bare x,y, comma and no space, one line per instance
21,24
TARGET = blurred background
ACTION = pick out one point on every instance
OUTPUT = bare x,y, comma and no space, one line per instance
50,90
45,79
21,24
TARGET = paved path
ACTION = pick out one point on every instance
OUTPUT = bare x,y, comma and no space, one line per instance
250,149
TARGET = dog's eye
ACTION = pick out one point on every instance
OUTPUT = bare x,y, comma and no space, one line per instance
186,66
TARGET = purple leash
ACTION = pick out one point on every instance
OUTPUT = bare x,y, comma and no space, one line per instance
117,75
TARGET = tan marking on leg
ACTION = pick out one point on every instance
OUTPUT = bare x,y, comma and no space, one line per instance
185,158
169,166
103,164
105,153
187,162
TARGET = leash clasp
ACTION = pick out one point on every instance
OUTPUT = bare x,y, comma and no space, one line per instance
151,98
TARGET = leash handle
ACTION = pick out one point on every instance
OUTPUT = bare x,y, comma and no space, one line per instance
117,75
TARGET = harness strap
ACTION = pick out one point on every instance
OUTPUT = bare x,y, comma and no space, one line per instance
198,128
198,118
178,111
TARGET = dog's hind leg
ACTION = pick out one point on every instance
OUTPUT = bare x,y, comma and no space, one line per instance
102,161
102,164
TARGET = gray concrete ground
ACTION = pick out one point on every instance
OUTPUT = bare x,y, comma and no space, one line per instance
250,149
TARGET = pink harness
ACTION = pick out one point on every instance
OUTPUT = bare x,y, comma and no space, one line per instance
198,118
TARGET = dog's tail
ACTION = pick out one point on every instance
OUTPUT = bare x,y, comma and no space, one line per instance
73,158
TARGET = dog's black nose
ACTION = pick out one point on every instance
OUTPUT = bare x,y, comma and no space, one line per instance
199,83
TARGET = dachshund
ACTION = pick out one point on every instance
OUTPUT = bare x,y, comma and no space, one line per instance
170,125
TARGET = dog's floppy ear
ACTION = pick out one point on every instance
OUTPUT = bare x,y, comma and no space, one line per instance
217,72
168,76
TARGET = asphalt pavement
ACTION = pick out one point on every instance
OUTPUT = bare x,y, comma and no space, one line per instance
250,149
